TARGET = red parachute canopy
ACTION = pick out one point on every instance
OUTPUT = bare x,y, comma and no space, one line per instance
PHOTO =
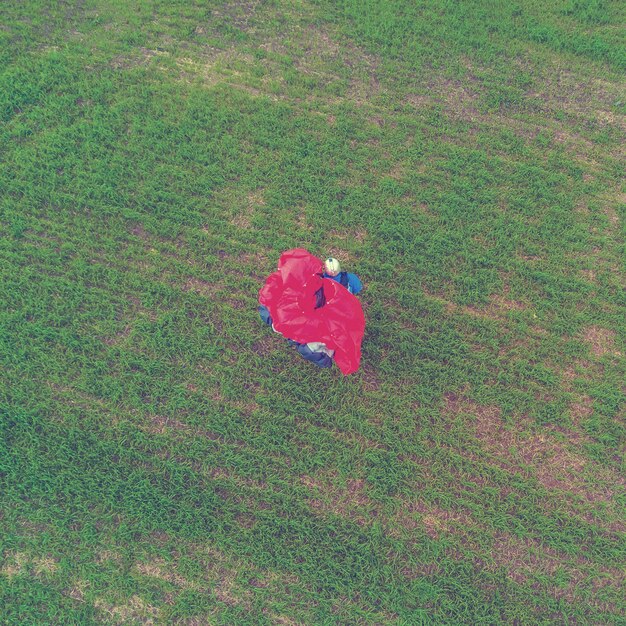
289,294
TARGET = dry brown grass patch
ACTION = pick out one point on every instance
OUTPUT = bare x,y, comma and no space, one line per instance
488,418
256,198
561,89
498,308
357,440
577,369
160,424
220,573
136,609
163,571
601,341
419,101
229,593
358,235
244,218
14,563
516,347
45,565
505,304
350,500
613,119
556,464
459,100
142,56
221,473
450,307
589,275
239,12
237,304
214,67
283,620
435,520
611,211
582,409
139,231
108,555
77,591
118,337
200,286
420,571
397,172
524,559
365,85
572,140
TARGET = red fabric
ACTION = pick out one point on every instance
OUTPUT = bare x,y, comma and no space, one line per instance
289,294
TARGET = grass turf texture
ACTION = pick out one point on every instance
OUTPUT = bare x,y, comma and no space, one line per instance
166,459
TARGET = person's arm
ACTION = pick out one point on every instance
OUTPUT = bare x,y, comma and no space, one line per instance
354,283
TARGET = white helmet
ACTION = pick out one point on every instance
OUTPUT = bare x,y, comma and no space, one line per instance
332,266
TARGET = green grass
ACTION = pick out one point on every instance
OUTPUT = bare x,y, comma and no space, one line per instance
165,459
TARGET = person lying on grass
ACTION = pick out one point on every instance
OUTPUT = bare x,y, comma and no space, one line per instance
317,314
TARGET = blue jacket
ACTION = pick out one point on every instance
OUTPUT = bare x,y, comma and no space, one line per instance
350,281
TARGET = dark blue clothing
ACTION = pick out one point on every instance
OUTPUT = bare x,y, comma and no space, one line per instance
321,359
264,312
354,284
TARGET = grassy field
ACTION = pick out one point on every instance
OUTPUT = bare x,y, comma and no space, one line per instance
165,458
